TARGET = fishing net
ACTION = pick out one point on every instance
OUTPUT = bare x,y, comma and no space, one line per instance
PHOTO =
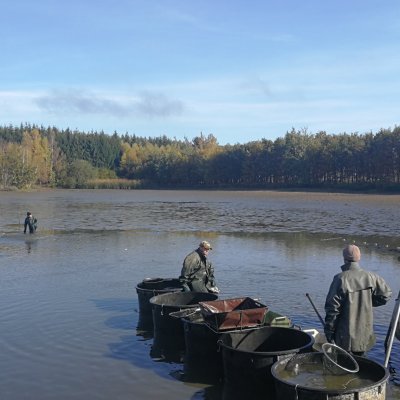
187,312
337,361
302,362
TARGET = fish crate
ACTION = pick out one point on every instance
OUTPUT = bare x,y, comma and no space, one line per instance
275,319
237,313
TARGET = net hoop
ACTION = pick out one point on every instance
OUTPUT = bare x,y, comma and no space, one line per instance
330,349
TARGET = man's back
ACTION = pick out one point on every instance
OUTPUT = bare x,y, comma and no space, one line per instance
349,307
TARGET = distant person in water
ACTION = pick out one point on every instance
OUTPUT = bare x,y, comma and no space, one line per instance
197,272
30,222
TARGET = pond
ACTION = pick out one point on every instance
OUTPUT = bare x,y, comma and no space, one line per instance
69,307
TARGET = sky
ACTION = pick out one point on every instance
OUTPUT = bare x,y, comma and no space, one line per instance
239,70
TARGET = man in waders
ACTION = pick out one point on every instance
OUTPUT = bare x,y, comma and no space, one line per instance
352,295
30,222
197,274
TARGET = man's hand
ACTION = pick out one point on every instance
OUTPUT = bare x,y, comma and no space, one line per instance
213,289
330,336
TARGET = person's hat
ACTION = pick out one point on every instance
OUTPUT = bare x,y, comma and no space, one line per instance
206,245
351,253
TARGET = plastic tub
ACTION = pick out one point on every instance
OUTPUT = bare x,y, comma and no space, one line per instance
249,355
166,327
369,383
149,288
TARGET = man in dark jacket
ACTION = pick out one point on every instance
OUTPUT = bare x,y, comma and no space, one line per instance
30,222
348,306
197,273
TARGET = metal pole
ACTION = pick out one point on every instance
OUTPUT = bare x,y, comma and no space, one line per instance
315,309
392,328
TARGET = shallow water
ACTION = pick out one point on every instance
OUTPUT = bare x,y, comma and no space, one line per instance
69,308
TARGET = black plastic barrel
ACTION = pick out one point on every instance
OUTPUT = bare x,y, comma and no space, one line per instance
249,355
149,288
170,329
203,358
376,373
167,349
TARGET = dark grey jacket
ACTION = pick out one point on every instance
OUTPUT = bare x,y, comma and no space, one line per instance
197,272
31,223
348,307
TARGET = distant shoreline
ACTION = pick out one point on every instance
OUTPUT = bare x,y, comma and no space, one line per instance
277,190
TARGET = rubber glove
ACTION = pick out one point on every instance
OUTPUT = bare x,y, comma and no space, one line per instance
330,336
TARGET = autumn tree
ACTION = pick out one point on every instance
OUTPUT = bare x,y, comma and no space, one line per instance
13,170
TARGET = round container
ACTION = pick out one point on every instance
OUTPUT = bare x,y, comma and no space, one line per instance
337,388
203,358
167,327
249,355
149,288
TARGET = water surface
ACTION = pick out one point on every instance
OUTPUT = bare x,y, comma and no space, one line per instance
69,308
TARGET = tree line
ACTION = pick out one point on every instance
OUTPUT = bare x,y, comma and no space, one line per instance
35,155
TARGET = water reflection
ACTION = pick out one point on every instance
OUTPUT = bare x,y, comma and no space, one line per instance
167,347
29,243
134,349
115,304
126,321
144,332
210,393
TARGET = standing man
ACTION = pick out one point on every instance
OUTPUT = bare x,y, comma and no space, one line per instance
348,306
30,222
197,274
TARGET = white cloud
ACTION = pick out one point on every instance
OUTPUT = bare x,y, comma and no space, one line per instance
82,102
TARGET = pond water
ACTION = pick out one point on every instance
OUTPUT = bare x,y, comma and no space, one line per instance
69,308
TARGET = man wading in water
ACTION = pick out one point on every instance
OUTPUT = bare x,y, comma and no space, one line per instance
197,274
30,222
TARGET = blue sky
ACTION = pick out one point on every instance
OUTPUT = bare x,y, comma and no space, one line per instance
240,70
